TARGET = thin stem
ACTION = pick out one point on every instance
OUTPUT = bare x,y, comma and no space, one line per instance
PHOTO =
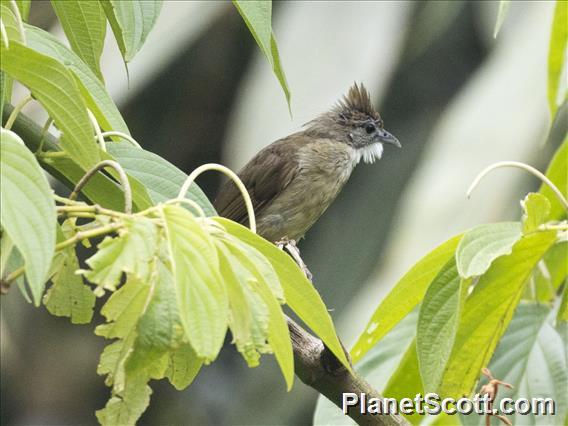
44,131
14,275
190,203
4,34
19,106
522,166
97,232
233,176
82,235
121,175
67,201
98,132
92,209
122,135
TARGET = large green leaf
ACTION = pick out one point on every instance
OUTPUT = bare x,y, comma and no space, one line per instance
92,89
532,357
54,87
162,179
483,244
84,23
404,297
201,294
131,22
556,55
557,172
299,293
242,318
257,15
438,323
488,310
257,278
28,210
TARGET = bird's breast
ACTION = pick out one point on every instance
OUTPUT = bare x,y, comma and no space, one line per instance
323,170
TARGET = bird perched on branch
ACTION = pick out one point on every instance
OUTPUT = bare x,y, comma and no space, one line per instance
294,180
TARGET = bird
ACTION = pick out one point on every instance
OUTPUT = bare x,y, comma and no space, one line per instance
293,181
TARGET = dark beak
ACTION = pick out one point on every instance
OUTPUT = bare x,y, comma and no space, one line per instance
386,137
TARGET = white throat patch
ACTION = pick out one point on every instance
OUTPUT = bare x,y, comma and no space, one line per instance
369,154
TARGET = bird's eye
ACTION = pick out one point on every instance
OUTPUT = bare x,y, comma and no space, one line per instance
369,128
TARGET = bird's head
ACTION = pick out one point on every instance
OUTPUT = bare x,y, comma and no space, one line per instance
354,121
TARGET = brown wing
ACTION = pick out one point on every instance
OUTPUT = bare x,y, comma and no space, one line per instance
265,176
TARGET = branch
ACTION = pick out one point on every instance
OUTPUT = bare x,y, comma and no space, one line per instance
318,368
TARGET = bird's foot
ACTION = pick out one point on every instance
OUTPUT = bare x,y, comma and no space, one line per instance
293,250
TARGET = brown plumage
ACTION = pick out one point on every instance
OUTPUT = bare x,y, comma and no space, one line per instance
292,181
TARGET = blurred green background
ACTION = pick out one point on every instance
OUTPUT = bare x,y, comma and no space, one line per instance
200,91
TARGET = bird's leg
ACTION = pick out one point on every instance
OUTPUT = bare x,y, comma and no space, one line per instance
293,250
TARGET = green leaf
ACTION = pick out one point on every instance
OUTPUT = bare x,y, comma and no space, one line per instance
558,174
10,22
124,308
536,209
376,367
563,309
84,23
131,22
162,179
488,310
68,296
556,55
277,333
54,87
13,261
24,7
260,268
257,15
28,210
299,293
113,359
92,89
201,295
404,296
438,323
125,407
184,364
501,15
131,251
242,306
532,357
159,329
483,244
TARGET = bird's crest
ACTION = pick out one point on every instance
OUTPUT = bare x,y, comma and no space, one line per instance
356,105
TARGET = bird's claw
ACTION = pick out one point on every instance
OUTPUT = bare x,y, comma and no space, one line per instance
293,250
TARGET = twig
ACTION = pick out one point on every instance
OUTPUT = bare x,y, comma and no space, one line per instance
121,175
521,166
